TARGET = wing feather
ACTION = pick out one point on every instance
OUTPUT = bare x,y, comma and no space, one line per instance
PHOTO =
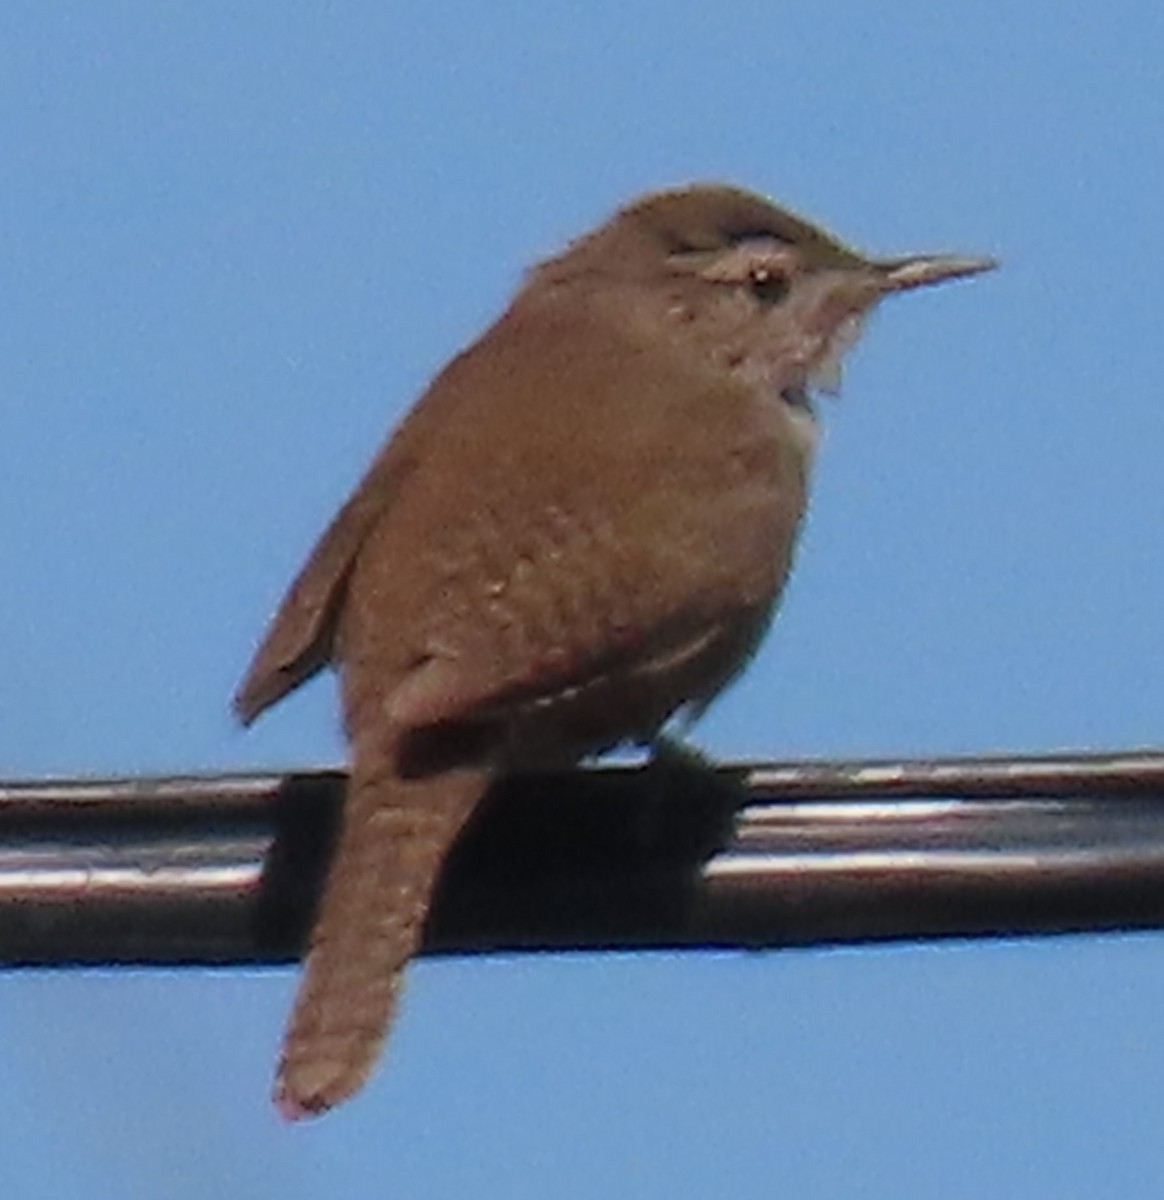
300,638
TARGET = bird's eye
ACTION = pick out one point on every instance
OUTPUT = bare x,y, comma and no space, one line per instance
768,286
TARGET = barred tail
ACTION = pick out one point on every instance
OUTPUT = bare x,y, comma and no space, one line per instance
394,837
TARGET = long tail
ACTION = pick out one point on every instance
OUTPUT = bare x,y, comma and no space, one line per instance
394,837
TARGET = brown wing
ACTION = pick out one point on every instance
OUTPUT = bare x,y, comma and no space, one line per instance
299,640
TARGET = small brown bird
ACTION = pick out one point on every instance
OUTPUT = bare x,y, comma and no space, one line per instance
582,527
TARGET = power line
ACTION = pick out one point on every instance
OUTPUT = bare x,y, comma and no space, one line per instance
225,868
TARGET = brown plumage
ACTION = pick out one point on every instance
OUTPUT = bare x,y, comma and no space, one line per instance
583,526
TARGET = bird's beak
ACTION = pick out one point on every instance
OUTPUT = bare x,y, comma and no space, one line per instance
921,270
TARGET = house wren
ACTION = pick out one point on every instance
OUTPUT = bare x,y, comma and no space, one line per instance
582,527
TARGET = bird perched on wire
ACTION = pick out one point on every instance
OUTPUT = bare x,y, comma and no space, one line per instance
582,527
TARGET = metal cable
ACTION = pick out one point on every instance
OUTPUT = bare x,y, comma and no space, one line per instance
225,869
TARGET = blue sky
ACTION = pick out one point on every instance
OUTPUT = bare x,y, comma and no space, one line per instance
235,241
